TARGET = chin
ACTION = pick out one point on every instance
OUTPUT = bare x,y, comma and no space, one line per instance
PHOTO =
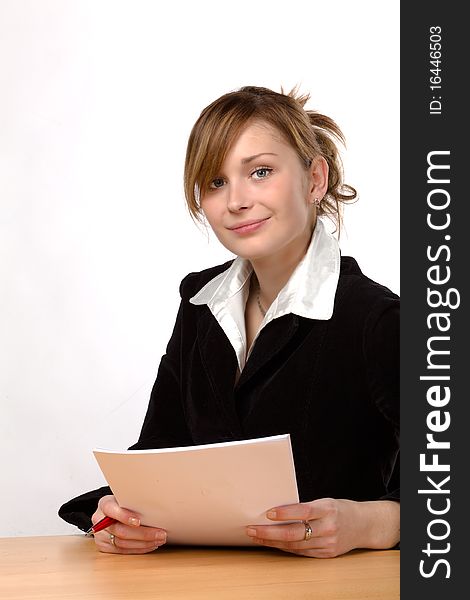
251,249
253,253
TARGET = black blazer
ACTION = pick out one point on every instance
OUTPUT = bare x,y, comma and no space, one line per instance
333,385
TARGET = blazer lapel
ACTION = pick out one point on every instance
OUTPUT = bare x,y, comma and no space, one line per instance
220,363
272,339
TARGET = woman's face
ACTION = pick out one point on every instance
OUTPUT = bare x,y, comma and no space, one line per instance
260,204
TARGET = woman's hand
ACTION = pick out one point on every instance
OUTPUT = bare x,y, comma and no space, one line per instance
127,536
337,527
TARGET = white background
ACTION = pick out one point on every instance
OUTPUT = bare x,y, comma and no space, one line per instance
97,100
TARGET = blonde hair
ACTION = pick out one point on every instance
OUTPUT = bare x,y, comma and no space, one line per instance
308,132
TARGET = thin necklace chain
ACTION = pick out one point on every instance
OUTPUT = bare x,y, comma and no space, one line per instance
263,312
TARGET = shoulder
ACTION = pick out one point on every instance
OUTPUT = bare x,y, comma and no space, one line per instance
362,298
352,281
196,280
370,313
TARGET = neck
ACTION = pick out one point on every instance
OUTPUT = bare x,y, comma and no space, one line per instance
273,272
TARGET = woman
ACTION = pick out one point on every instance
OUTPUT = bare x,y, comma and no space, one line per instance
290,337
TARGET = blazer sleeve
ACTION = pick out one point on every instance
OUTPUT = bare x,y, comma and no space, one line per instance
164,425
382,356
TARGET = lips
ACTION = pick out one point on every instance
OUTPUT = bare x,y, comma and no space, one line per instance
247,223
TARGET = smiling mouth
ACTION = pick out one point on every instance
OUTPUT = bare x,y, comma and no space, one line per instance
248,225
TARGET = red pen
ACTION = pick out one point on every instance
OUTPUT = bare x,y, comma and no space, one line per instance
105,522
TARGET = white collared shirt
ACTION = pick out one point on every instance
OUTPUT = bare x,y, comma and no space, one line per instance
309,292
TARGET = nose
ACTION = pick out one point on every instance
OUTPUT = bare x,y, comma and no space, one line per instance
237,197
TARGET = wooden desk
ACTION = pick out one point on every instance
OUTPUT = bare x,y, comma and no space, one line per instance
68,567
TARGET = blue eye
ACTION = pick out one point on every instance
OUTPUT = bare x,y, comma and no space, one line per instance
216,183
261,172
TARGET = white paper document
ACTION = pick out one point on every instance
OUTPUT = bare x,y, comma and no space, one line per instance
204,495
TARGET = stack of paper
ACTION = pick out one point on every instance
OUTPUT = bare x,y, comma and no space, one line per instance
204,494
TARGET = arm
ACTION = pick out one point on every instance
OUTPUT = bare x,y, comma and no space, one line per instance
381,349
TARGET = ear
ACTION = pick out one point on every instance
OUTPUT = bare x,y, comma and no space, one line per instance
318,178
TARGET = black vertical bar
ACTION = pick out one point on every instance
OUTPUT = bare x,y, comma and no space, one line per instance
435,239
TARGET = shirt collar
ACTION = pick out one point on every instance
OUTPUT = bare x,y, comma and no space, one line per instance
309,292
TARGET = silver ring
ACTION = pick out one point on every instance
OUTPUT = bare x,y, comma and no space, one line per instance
308,531
111,539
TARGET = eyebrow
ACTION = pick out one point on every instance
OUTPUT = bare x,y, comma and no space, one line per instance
250,158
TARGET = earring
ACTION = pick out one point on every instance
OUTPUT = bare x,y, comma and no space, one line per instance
316,202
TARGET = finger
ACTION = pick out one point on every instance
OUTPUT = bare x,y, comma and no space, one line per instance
311,552
289,532
294,532
312,544
142,534
109,507
115,550
302,511
134,544
104,540
105,545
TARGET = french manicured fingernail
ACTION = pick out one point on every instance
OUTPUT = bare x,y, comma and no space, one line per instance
134,521
160,536
251,531
271,514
